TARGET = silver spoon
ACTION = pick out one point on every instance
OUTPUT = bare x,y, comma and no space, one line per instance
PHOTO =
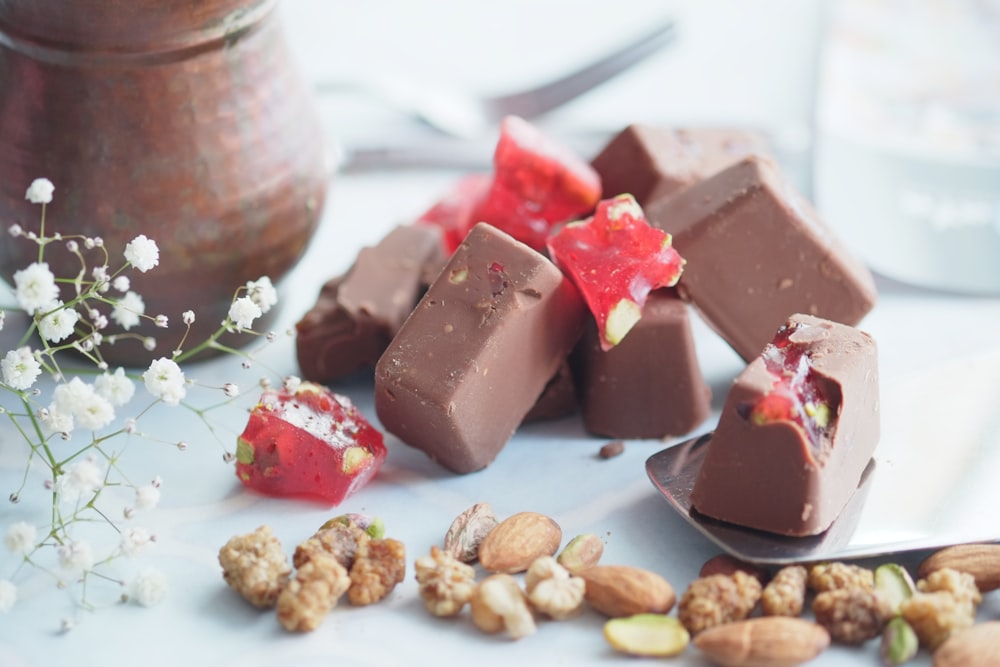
464,115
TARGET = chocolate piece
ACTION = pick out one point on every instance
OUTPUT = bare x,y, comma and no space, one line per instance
650,384
477,351
330,343
650,162
797,431
558,399
756,252
357,314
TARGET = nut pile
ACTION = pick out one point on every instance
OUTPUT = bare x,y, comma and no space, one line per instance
737,614
347,555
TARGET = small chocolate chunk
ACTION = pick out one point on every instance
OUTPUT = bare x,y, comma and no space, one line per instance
757,252
649,385
357,314
797,431
650,162
477,351
610,450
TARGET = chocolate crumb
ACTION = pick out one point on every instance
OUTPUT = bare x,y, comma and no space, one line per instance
612,449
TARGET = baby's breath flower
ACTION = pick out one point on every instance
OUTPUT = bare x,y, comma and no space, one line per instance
15,230
243,312
72,246
95,413
262,292
161,321
165,380
35,286
20,368
76,556
58,323
149,343
3,317
149,587
8,595
57,420
40,191
142,253
231,390
134,541
116,387
81,480
128,310
147,497
121,283
187,317
20,537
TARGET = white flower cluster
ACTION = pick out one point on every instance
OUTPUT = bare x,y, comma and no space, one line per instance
73,314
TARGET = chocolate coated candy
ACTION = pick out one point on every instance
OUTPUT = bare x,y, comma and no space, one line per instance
357,314
791,470
756,252
648,386
649,161
477,351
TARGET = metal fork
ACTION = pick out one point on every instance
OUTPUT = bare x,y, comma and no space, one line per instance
460,114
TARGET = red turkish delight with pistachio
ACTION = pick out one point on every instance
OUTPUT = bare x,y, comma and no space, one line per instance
307,441
798,428
537,183
615,258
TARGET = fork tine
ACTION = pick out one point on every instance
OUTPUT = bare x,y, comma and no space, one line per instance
530,103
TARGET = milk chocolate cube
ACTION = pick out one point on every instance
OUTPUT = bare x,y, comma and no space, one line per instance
649,162
797,431
357,314
649,385
757,252
477,351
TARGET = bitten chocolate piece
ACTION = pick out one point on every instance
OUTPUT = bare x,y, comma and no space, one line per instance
649,385
477,351
756,252
357,314
649,161
797,430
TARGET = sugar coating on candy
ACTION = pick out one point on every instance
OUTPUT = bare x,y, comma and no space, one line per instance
616,258
798,428
537,183
308,442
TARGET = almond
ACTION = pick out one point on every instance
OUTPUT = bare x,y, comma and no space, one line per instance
978,646
767,641
621,590
982,561
514,544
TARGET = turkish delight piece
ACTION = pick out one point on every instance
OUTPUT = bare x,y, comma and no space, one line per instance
798,428
537,183
477,351
648,386
453,212
308,442
357,314
615,258
757,252
648,161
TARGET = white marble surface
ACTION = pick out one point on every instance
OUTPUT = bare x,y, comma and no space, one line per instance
548,467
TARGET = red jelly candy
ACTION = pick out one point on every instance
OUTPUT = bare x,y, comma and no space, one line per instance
616,258
308,442
796,396
537,183
453,212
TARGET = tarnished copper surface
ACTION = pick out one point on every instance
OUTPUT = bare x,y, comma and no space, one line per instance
184,120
